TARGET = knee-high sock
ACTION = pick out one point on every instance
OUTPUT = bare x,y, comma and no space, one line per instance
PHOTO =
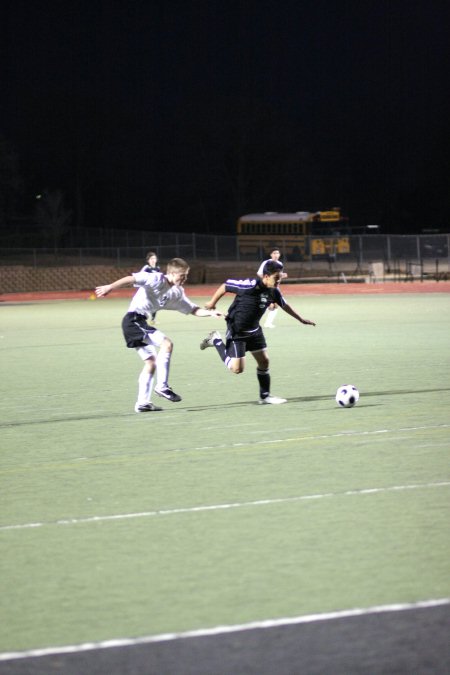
264,382
145,387
162,368
221,350
220,346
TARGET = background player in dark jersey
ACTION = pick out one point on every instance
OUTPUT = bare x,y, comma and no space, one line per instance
151,266
244,334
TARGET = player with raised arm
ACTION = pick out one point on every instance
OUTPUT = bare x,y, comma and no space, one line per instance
156,291
244,332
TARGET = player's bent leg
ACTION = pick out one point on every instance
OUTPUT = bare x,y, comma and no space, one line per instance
236,365
162,372
263,375
145,380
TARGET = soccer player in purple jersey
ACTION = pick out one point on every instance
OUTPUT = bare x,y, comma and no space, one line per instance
244,333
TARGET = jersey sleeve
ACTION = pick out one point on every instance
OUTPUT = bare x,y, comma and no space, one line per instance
141,278
186,306
279,298
239,285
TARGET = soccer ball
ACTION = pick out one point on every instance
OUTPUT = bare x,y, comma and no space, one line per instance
347,396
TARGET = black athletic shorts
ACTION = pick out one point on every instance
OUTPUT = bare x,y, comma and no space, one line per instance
136,329
239,343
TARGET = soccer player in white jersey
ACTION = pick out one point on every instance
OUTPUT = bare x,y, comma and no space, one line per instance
272,309
244,334
156,291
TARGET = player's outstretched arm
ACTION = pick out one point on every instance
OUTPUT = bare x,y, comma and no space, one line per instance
289,310
200,311
101,291
211,304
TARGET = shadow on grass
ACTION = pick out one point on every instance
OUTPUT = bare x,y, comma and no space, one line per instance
215,406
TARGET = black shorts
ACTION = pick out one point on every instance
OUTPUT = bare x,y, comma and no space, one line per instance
239,343
136,329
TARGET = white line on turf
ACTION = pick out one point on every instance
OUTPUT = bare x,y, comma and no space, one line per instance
218,507
223,630
340,434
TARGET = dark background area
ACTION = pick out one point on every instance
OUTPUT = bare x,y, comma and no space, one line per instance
182,115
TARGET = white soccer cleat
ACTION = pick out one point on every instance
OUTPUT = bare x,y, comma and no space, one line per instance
272,400
209,339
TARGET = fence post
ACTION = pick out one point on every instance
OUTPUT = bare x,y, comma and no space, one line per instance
418,249
388,250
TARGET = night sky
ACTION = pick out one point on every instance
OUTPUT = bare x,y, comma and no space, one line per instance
183,115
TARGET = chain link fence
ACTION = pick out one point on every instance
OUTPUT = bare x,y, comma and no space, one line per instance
393,250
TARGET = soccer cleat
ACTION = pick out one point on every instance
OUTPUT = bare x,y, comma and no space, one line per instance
209,339
166,392
146,407
272,400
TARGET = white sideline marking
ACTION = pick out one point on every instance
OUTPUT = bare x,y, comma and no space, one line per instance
217,507
222,630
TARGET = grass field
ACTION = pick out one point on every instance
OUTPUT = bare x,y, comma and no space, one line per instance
218,511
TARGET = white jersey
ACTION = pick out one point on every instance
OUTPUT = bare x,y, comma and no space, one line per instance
155,293
261,267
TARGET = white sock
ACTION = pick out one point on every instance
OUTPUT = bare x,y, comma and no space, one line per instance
145,387
270,317
162,369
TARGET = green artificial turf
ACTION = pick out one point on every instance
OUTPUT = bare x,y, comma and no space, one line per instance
123,543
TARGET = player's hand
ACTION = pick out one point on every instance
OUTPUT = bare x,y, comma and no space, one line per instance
209,305
101,291
307,322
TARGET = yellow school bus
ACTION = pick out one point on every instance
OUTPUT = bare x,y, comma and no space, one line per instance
298,235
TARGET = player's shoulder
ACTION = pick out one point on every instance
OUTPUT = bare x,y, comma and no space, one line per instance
241,284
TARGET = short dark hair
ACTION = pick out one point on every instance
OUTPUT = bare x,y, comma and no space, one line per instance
272,266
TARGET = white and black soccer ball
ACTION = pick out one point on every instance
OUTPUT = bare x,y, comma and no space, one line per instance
347,396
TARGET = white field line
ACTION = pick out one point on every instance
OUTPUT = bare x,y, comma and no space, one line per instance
340,434
219,507
247,443
223,630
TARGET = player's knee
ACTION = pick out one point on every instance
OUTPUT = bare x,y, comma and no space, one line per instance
167,345
236,368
